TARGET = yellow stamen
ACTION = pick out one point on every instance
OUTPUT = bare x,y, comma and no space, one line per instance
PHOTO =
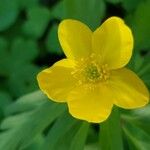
89,71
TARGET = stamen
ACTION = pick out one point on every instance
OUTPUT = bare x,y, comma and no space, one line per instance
89,71
92,72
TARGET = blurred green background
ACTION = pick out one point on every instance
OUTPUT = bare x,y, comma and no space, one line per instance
29,43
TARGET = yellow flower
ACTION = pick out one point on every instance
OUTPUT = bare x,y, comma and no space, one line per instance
93,78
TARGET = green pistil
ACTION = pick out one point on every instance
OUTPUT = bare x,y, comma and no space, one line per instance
92,73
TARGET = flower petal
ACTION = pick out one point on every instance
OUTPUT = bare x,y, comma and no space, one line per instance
113,43
57,81
75,39
129,90
92,105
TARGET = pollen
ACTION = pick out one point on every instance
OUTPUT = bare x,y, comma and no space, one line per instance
97,73
89,71
92,73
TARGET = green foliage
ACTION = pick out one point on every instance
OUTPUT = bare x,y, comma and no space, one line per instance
8,13
73,8
141,65
139,140
140,24
29,42
52,42
29,117
38,18
26,121
114,1
17,65
5,100
111,128
27,4
130,7
78,141
136,128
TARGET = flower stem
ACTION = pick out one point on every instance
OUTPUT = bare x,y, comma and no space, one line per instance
110,132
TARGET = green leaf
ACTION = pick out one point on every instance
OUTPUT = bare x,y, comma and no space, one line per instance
78,142
145,68
77,9
23,79
27,50
138,139
5,100
26,126
38,18
136,62
58,11
114,1
8,13
130,6
140,117
92,147
59,129
110,132
26,103
3,54
52,42
91,14
66,140
141,65
140,24
3,46
27,4
16,65
37,142
93,135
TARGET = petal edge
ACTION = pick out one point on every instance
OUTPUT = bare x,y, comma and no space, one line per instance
113,42
56,82
129,89
75,39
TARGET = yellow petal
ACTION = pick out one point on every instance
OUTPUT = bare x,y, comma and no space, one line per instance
57,81
128,88
113,43
92,105
75,39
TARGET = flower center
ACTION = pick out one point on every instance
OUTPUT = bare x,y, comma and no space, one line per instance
92,72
